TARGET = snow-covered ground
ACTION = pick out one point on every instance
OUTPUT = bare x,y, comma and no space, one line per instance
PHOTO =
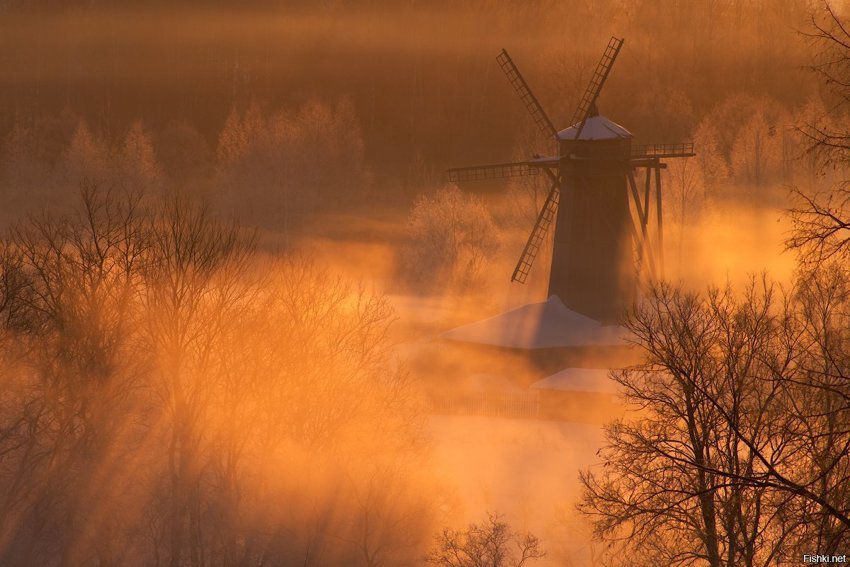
526,470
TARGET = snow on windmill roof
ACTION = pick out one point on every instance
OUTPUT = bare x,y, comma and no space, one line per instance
539,325
578,380
596,128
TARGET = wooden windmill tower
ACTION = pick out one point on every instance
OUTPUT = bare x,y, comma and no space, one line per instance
603,243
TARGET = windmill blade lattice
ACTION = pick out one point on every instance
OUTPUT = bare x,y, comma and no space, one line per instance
535,239
495,171
588,100
531,103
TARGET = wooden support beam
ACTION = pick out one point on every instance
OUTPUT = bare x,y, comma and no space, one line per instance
644,250
646,193
660,220
642,239
647,162
642,213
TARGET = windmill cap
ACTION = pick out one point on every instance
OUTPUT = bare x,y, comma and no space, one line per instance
596,128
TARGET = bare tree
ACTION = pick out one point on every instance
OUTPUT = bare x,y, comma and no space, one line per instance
821,225
665,481
821,219
685,196
711,161
491,544
71,318
740,445
194,285
757,151
831,36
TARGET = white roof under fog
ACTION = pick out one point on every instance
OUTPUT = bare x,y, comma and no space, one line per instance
549,324
579,380
596,128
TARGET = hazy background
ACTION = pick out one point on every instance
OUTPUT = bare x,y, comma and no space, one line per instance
327,125
276,110
421,76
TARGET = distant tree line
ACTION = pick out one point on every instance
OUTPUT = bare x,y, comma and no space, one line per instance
268,168
419,99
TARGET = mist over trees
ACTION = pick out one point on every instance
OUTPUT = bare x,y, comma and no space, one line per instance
165,388
424,88
274,167
451,237
268,120
173,393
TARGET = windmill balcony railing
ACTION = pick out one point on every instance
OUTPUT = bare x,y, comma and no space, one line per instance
663,150
640,151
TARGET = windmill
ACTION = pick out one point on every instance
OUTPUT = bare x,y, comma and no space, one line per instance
603,244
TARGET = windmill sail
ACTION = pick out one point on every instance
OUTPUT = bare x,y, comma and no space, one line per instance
535,239
588,100
494,171
524,92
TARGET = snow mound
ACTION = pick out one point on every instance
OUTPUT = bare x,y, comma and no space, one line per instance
578,380
549,324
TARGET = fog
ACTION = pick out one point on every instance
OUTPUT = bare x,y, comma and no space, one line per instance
229,255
